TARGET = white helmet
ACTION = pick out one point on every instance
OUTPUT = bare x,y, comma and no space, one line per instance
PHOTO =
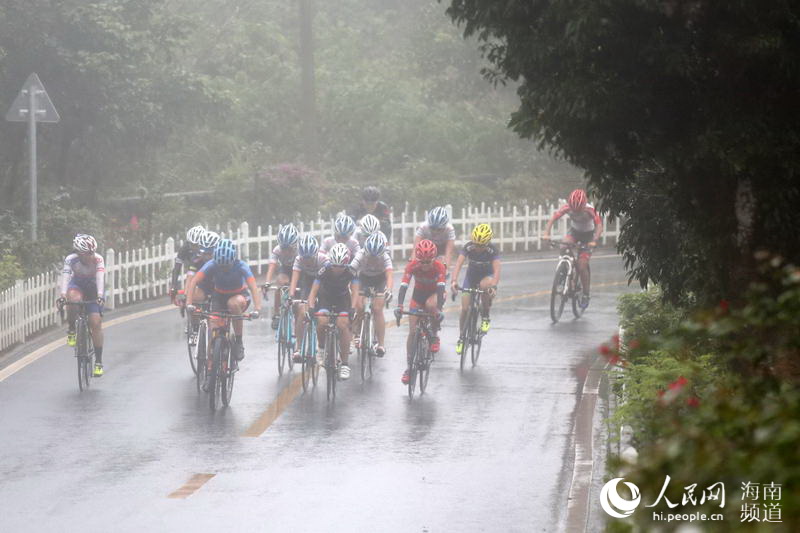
84,243
339,254
209,239
438,217
370,224
343,226
195,234
287,235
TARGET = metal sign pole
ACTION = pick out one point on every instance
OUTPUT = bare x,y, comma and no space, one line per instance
32,153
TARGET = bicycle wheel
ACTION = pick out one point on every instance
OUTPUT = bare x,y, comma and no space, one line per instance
228,374
281,345
81,352
577,310
192,349
365,347
469,334
89,367
330,363
475,349
202,341
214,376
290,337
306,358
558,295
423,365
412,366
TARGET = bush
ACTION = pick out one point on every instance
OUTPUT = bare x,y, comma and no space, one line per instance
10,271
715,397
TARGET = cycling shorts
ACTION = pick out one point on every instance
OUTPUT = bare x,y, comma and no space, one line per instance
474,276
419,297
88,289
337,304
376,283
219,301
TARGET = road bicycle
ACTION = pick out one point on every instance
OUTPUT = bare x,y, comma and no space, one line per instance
472,334
308,353
367,335
196,336
566,282
84,346
421,357
222,366
332,362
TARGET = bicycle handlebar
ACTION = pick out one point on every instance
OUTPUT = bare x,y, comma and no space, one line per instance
221,314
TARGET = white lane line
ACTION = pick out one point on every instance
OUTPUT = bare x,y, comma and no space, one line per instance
37,354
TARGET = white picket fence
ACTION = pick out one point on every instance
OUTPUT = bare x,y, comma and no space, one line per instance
135,275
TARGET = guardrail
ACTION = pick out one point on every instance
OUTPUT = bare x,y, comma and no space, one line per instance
135,275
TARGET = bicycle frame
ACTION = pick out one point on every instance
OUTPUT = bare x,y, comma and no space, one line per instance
84,344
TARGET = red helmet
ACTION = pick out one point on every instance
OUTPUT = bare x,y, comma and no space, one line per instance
425,250
577,199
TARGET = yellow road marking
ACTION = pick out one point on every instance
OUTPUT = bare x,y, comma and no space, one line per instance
191,486
292,390
37,354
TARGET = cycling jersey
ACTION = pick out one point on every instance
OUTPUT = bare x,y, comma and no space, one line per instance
283,257
334,289
428,277
192,258
78,275
231,281
330,242
585,220
309,265
371,265
382,212
480,258
439,236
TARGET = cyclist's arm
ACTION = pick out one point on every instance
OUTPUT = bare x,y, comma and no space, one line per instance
598,225
440,284
293,283
448,252
190,285
312,296
176,272
457,268
354,291
496,272
417,238
271,271
100,276
558,214
66,277
389,279
401,296
251,284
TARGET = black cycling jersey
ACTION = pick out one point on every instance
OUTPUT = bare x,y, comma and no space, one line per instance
382,212
333,286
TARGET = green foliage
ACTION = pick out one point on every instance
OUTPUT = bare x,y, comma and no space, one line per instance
715,396
10,271
682,115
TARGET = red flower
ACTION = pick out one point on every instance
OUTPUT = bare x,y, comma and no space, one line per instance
614,359
615,340
605,350
693,401
724,305
678,383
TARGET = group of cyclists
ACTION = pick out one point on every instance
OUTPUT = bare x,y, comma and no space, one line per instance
328,278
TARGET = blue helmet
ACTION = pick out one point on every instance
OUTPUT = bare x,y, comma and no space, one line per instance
344,226
438,217
287,235
225,252
307,246
375,243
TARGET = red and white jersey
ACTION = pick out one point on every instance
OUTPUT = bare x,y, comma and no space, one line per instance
371,265
283,256
330,242
309,265
95,271
439,236
586,219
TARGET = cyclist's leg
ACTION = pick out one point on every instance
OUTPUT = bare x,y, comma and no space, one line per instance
74,294
378,303
431,306
359,315
96,328
199,296
322,322
412,326
583,268
486,283
343,323
237,304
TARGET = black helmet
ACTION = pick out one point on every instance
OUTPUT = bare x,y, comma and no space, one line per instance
370,194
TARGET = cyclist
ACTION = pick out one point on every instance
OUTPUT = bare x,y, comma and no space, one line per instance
373,264
83,279
483,271
371,204
234,285
337,288
308,262
208,241
438,229
343,229
186,257
366,227
428,293
585,228
282,260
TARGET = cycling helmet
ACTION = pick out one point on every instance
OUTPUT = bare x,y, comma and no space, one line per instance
307,246
370,194
84,243
370,224
482,234
425,250
209,240
577,199
339,254
195,234
344,226
225,252
375,243
438,217
287,235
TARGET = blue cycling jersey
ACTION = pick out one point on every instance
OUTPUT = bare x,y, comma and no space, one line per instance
226,281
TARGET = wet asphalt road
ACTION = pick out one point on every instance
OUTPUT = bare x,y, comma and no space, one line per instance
488,449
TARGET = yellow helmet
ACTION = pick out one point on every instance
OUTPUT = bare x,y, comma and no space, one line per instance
482,234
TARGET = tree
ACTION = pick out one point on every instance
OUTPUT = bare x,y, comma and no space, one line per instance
683,115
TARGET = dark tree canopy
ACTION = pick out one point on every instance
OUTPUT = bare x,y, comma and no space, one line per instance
684,115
